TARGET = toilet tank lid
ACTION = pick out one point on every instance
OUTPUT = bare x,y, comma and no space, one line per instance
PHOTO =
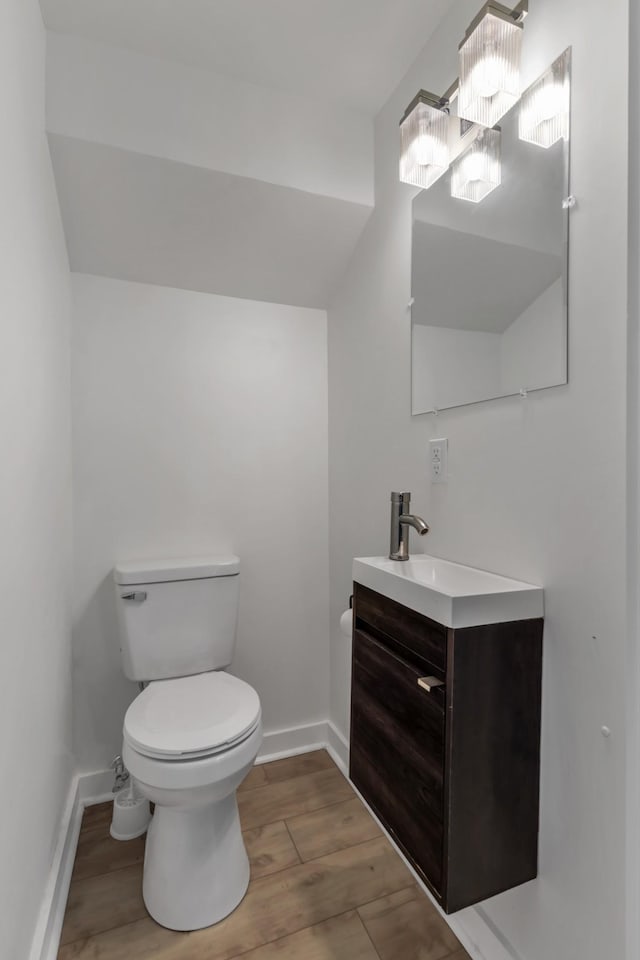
182,568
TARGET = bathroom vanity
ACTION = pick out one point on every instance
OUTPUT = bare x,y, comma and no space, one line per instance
445,720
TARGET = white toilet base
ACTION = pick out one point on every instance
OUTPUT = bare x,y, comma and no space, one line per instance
196,869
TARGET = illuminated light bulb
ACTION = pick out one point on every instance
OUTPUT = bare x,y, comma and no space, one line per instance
487,76
474,167
427,150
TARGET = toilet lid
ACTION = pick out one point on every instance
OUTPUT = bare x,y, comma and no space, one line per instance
199,715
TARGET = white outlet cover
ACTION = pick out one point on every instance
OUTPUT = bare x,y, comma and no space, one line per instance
439,460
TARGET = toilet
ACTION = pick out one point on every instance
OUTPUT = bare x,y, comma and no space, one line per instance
191,735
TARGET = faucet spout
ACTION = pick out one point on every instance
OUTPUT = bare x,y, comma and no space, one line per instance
417,523
401,520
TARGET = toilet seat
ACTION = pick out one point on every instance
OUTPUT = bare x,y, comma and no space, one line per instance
187,718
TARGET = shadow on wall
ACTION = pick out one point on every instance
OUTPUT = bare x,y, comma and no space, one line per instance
102,692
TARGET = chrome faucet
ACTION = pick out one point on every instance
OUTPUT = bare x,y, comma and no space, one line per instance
401,519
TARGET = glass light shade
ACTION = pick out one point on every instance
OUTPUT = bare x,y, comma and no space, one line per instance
424,133
490,67
544,111
478,171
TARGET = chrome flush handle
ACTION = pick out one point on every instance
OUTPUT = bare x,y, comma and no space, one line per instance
430,683
139,596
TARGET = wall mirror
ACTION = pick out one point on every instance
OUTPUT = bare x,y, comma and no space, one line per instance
489,278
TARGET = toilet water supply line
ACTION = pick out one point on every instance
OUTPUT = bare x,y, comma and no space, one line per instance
131,811
122,774
124,786
117,765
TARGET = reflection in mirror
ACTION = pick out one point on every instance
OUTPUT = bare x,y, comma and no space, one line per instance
489,279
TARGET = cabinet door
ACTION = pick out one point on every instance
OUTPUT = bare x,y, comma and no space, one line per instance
397,751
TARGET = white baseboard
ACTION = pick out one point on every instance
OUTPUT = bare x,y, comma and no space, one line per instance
95,787
46,938
472,927
291,742
338,748
480,938
85,790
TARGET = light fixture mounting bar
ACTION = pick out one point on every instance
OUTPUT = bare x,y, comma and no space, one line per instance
451,94
461,139
423,96
521,11
511,15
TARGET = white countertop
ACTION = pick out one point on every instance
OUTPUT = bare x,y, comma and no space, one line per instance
450,593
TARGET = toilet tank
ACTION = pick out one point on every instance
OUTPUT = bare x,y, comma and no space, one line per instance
177,617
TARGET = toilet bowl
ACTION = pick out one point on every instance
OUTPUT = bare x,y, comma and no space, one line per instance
189,742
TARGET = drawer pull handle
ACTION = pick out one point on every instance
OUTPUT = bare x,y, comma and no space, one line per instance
430,683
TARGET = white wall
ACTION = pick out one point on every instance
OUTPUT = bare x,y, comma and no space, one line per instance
509,512
533,351
633,502
200,425
109,95
35,499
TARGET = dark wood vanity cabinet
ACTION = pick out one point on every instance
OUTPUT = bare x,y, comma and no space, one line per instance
452,772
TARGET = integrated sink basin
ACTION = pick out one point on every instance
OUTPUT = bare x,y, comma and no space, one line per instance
450,593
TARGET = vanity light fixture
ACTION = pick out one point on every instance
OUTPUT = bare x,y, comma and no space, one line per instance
544,111
424,130
478,171
489,59
488,87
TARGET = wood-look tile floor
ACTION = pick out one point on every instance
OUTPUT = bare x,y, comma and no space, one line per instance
325,884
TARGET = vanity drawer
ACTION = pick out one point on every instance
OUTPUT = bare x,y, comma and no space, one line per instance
397,751
417,633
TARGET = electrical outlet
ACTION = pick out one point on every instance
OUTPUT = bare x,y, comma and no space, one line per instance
438,460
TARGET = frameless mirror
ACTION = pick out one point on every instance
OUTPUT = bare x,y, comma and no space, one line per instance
489,279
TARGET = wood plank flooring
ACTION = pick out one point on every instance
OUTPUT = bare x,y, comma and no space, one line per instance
325,884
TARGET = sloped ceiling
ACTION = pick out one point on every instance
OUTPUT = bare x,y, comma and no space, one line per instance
353,52
167,220
151,220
